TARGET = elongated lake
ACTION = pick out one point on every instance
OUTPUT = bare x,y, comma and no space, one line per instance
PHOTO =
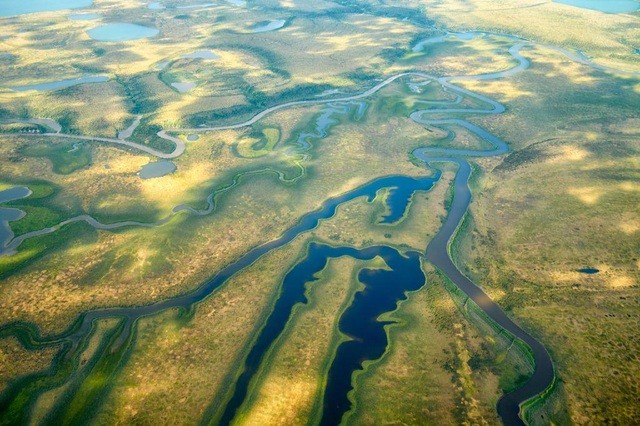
121,32
61,84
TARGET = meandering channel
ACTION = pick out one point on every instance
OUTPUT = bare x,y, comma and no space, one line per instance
180,146
15,402
437,252
351,355
323,122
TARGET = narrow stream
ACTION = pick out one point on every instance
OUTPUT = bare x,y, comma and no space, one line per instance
369,339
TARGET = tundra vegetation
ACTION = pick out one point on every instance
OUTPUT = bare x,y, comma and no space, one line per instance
563,200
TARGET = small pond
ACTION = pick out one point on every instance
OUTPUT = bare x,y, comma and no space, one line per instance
121,32
589,271
157,169
269,26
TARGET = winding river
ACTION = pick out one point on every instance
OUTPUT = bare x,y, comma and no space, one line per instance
15,400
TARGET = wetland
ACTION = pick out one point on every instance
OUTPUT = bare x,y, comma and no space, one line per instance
268,213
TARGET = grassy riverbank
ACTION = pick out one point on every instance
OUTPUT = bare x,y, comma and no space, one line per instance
526,242
564,198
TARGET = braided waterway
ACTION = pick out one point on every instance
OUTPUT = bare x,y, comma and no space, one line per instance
16,401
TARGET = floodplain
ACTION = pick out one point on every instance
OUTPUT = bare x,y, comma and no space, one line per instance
242,212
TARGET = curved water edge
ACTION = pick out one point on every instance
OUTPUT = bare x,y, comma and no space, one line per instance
437,252
126,133
368,339
335,106
383,290
324,121
514,51
180,147
78,332
496,108
177,151
577,56
336,402
438,249
11,247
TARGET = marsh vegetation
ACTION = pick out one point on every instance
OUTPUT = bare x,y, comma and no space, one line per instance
112,232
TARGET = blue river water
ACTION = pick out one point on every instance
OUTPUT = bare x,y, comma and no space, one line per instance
74,337
378,297
383,290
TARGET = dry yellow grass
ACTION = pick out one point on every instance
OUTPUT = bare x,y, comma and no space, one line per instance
425,377
196,361
533,19
291,383
16,361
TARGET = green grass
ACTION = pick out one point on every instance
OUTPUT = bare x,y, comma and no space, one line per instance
65,158
525,238
83,398
259,142
35,248
22,128
36,218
